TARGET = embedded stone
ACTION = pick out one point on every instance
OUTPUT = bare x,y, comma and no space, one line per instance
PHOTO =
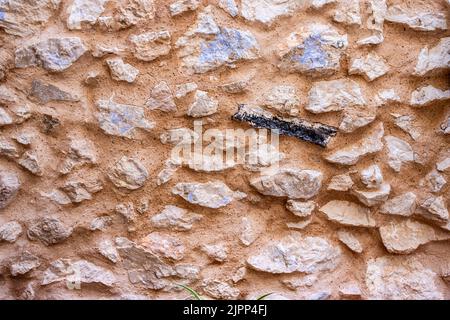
9,186
313,50
30,162
422,20
49,231
76,273
107,249
402,205
372,176
341,182
294,253
212,194
217,252
10,231
353,153
81,152
348,12
219,289
406,236
301,209
431,60
184,89
24,263
350,241
175,218
334,95
229,6
161,98
121,119
180,6
203,105
433,181
43,93
267,11
399,278
348,213
206,46
434,208
293,183
164,246
84,12
371,66
121,71
52,54
407,124
128,173
247,231
373,197
428,95
282,98
399,151
151,45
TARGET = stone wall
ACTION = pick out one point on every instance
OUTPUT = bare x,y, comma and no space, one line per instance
95,95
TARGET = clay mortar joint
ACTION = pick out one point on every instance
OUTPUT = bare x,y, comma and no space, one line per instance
302,129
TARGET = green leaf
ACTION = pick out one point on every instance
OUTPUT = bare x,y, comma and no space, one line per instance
264,296
193,293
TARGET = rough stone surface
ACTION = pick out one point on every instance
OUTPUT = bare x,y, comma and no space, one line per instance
435,59
296,254
334,95
128,173
396,278
348,213
161,98
49,230
294,183
214,194
9,186
10,231
121,71
407,236
402,205
371,67
428,95
203,105
151,45
398,152
176,218
418,20
350,241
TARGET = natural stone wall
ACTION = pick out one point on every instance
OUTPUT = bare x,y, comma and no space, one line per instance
95,96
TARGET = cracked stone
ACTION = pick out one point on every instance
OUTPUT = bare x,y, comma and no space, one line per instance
314,50
348,214
175,218
121,71
121,120
294,253
294,183
151,45
434,208
49,231
371,67
406,236
203,105
212,194
128,173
